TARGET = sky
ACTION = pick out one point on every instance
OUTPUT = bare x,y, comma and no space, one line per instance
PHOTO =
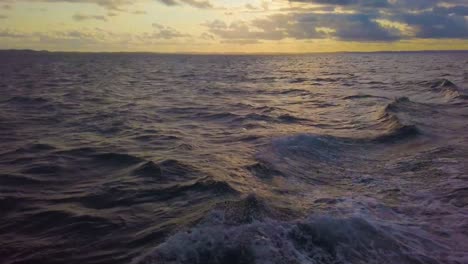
227,26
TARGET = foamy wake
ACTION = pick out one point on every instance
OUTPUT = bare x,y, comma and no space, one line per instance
318,239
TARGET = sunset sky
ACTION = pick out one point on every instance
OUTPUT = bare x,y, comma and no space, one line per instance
226,26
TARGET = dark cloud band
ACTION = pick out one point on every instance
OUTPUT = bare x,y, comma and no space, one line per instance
366,20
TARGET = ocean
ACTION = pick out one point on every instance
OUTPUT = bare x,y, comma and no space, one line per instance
275,159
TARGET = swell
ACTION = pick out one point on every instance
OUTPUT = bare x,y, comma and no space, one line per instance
83,196
391,129
319,159
133,180
307,158
33,164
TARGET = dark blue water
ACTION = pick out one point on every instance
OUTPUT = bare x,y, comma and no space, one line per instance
141,158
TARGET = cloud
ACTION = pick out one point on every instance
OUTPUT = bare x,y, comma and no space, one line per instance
165,32
367,3
109,4
81,17
198,4
119,4
453,10
139,12
351,27
207,36
437,23
11,34
194,3
250,7
242,31
359,20
344,20
387,5
91,39
240,41
375,3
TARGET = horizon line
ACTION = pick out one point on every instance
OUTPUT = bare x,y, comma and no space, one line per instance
230,53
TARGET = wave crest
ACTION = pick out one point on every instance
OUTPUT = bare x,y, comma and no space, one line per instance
446,89
392,125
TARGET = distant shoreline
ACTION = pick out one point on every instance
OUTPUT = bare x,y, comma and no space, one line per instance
30,51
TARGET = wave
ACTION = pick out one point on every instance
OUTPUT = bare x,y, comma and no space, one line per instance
167,171
246,210
298,152
399,133
245,232
24,100
295,91
263,170
331,150
18,180
70,220
316,157
299,80
446,89
458,197
26,103
118,159
129,179
449,89
245,118
395,129
206,185
29,148
44,168
124,194
287,118
305,144
363,96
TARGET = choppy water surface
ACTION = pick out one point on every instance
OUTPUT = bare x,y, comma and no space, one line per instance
340,158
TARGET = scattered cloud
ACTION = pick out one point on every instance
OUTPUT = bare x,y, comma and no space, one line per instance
166,32
352,27
139,12
10,34
91,39
256,22
119,4
353,20
81,17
